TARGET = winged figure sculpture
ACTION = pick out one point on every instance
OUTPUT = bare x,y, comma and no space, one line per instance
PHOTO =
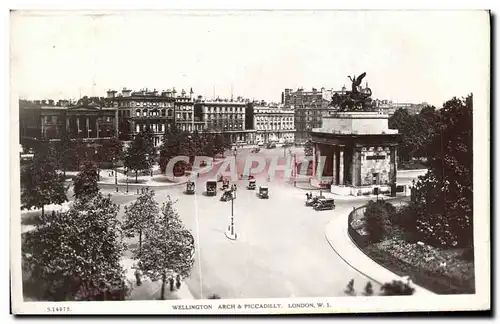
356,82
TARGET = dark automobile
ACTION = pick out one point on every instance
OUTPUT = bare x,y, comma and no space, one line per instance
211,187
263,192
324,204
310,200
271,145
190,188
251,185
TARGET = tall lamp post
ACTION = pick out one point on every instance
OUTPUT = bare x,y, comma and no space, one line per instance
126,173
231,233
116,175
96,151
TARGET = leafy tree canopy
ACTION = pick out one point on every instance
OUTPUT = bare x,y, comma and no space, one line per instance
75,255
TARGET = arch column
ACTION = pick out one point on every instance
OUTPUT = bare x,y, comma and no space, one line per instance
341,166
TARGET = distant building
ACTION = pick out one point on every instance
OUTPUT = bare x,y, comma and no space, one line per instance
309,108
223,116
138,110
273,123
48,120
388,107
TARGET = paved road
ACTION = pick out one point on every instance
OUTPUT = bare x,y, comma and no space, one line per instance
281,250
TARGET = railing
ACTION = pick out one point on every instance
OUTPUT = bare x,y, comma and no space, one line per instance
360,240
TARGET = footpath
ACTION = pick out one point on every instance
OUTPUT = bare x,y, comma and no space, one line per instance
110,177
337,235
151,290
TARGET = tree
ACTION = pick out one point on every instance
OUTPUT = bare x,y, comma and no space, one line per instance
111,150
171,147
444,196
376,221
140,215
141,153
209,149
396,288
219,144
66,155
415,130
308,148
75,255
40,183
168,248
85,184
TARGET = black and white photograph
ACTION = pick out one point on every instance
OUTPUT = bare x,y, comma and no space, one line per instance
249,161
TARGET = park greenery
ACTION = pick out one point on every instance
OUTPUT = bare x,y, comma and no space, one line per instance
141,153
140,215
41,185
182,143
435,229
85,183
75,255
167,249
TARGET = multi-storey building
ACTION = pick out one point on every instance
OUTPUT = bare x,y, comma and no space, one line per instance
184,113
388,107
138,110
273,123
309,107
47,120
223,116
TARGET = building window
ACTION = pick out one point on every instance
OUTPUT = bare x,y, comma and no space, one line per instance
375,157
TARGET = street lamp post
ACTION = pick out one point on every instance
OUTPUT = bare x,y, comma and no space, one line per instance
116,175
98,164
231,233
126,172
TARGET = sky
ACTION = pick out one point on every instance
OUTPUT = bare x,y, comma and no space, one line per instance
409,56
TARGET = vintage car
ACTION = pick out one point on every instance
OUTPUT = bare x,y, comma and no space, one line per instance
311,201
251,185
227,195
211,187
190,188
225,184
324,204
263,192
255,150
271,145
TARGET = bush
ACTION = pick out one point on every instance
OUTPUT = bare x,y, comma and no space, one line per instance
214,296
396,288
368,289
377,222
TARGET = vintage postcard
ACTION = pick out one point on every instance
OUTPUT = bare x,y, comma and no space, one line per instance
249,162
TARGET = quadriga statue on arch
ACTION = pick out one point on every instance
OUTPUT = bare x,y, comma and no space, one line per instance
358,99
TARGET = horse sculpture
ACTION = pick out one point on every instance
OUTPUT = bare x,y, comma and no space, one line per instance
354,100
